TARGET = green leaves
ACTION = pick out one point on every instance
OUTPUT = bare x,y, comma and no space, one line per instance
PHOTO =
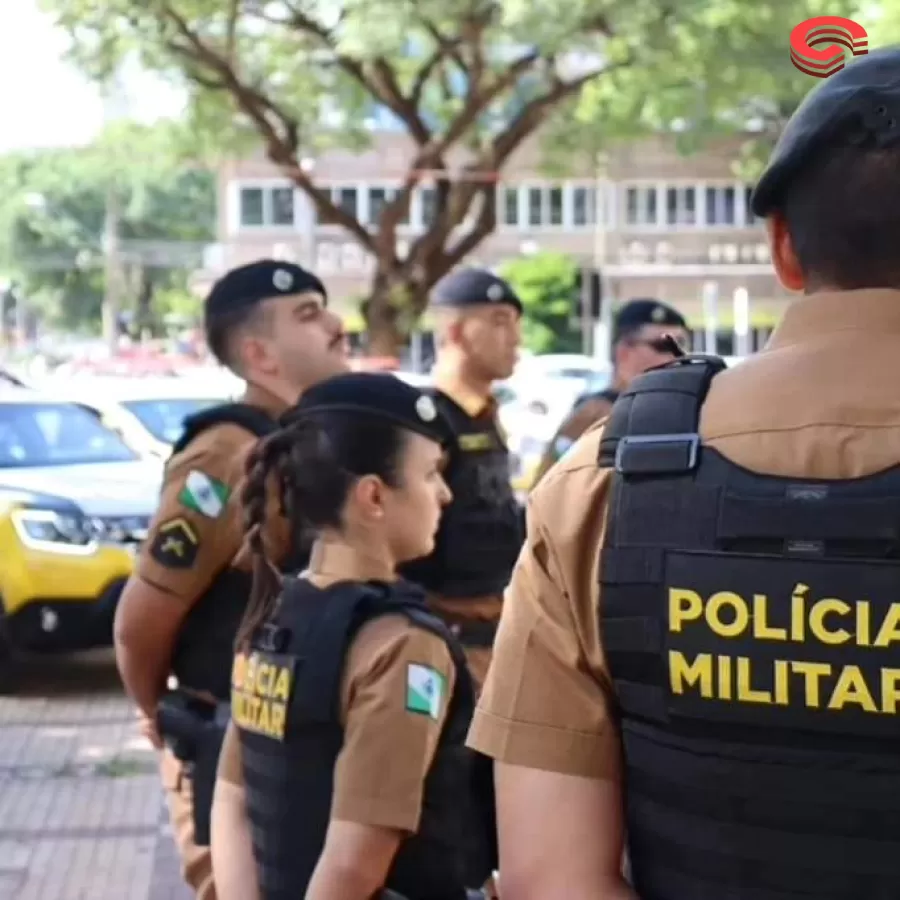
546,285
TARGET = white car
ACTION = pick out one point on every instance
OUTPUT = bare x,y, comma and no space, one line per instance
149,413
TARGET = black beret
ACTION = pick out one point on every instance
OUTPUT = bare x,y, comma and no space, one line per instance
471,287
378,394
857,106
645,311
264,279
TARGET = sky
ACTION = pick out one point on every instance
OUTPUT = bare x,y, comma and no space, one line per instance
44,102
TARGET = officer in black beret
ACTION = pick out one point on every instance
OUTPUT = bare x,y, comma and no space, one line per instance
477,328
719,617
366,691
643,331
269,324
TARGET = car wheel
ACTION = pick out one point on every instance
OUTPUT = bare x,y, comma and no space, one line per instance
6,655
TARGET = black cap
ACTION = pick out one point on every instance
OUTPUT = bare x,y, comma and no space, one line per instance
264,279
472,287
379,394
644,311
857,106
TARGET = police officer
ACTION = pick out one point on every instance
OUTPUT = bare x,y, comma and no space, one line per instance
350,700
268,323
640,329
742,615
478,334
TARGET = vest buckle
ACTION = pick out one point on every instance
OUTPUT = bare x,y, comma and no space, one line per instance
657,454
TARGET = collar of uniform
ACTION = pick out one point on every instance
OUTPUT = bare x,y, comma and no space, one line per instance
264,400
465,398
870,310
334,561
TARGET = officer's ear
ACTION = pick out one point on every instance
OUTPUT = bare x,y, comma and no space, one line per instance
784,258
368,498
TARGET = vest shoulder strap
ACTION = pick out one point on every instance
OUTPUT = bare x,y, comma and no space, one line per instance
653,426
250,418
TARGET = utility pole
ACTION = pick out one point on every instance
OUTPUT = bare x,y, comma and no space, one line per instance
115,109
112,296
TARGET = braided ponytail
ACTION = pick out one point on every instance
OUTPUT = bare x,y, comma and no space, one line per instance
266,586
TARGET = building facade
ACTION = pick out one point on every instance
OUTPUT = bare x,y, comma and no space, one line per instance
654,222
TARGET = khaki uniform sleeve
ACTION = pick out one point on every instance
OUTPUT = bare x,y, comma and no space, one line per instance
578,422
230,763
544,704
398,681
198,526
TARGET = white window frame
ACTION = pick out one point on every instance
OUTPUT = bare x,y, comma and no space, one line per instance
646,186
266,185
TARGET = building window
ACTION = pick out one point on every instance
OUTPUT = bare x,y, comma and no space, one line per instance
429,206
535,207
681,206
346,199
748,211
555,202
267,207
584,206
509,206
721,208
640,206
378,199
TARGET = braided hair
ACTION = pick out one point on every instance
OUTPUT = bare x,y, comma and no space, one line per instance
312,461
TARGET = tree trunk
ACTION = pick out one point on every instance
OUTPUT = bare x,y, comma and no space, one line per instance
144,306
391,313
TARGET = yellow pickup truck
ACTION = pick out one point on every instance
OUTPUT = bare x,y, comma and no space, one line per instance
75,503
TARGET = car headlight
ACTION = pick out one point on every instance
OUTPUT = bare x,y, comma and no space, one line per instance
57,532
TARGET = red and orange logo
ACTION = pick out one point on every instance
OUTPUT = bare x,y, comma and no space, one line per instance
835,31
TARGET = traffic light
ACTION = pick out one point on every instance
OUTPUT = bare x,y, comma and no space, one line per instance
588,287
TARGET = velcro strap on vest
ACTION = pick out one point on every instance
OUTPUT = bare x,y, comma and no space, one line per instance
657,417
743,517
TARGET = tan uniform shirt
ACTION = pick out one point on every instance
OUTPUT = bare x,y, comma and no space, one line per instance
198,528
380,773
821,401
578,421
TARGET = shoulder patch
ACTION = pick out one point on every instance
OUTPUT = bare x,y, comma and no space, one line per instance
175,545
203,494
425,688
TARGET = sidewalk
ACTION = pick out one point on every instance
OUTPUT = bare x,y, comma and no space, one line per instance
81,811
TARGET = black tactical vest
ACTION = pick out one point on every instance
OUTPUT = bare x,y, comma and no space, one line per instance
203,653
286,704
752,630
482,530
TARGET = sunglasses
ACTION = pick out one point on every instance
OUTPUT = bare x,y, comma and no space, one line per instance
662,344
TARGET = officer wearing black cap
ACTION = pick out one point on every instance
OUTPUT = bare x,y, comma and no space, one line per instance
344,772
478,334
724,669
641,329
268,323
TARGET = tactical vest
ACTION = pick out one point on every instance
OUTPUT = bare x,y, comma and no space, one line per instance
205,646
752,630
482,530
289,721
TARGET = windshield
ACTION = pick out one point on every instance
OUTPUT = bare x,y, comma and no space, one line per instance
164,419
55,434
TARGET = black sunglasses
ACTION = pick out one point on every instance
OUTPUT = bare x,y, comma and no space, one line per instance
663,344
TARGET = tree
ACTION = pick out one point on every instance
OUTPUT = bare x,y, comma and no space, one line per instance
733,76
468,81
53,210
546,285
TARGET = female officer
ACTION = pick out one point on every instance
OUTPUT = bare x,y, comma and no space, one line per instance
344,773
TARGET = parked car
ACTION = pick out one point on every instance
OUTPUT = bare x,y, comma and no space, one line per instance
75,504
149,413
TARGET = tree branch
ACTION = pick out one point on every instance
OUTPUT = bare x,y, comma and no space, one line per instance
281,149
